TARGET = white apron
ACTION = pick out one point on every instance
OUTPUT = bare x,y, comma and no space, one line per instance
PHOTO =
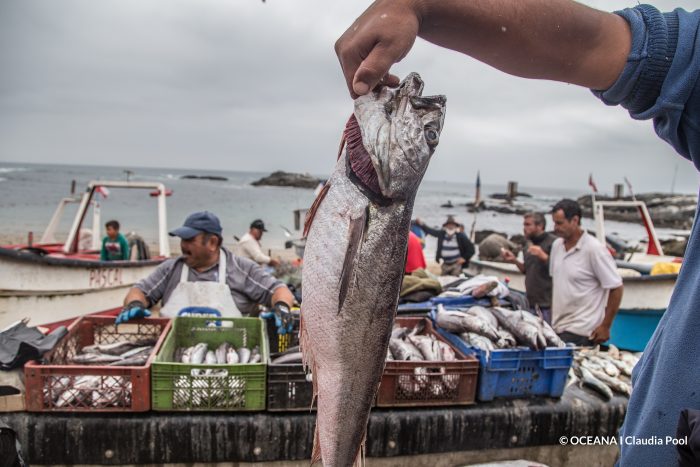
215,295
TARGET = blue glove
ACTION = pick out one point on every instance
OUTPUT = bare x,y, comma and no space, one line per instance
283,317
133,310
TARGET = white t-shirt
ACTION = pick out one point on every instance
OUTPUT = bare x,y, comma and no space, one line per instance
581,281
249,247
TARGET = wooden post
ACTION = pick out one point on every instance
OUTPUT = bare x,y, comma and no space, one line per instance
512,190
619,191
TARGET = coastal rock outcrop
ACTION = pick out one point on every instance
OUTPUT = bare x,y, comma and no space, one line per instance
281,178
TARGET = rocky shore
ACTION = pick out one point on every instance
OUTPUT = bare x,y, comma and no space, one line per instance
281,178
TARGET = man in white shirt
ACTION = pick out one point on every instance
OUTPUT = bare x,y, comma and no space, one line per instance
586,287
249,245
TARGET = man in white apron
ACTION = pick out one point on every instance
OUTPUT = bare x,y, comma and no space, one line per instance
206,275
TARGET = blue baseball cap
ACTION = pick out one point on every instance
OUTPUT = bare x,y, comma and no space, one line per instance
197,223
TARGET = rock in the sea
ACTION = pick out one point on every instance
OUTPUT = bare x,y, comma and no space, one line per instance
216,178
281,178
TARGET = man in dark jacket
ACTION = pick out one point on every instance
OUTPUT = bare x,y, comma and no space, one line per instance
453,248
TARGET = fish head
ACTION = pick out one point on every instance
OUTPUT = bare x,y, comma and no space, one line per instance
400,130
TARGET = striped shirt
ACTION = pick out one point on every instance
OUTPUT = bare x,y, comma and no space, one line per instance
450,249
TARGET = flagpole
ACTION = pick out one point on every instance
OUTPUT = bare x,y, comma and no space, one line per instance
477,202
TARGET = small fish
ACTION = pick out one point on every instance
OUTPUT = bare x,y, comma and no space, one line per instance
402,350
187,355
221,352
95,358
477,340
255,358
294,357
232,356
136,351
614,383
427,346
243,355
134,360
198,354
459,321
594,383
484,314
527,332
484,289
210,358
506,340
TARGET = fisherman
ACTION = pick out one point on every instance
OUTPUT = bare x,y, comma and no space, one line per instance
454,250
249,245
586,287
639,58
206,275
535,264
115,247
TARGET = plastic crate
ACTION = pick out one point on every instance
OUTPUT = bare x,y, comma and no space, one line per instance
186,387
289,388
58,386
513,373
428,383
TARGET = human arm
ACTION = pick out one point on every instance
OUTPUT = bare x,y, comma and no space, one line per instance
509,257
538,253
602,332
428,230
549,39
124,247
251,249
135,306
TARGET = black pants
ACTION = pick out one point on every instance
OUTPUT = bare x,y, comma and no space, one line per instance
575,339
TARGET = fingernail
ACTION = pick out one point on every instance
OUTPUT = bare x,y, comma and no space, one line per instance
361,88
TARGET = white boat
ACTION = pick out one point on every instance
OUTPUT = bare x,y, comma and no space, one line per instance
645,296
51,281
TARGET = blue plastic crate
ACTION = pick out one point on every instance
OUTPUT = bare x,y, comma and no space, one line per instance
517,372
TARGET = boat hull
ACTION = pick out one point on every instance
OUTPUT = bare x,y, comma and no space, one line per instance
47,289
644,301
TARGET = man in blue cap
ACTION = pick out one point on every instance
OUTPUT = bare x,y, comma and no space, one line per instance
206,275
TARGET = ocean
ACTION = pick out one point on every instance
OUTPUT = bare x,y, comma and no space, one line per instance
29,195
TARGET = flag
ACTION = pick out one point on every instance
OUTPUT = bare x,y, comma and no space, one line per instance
101,190
629,187
592,183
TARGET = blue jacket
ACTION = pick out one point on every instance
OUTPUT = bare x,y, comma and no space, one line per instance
660,82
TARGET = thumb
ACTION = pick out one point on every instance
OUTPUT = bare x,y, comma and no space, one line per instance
373,69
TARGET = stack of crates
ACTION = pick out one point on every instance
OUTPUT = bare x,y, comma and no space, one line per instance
210,387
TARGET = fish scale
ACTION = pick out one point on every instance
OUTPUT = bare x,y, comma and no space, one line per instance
351,282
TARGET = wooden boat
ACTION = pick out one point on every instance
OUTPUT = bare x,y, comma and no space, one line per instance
50,280
645,297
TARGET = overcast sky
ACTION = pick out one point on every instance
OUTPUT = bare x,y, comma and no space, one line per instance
246,85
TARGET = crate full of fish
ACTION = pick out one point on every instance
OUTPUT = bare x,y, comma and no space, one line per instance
423,369
97,367
211,364
519,353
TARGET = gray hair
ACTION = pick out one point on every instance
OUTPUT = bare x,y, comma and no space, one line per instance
538,218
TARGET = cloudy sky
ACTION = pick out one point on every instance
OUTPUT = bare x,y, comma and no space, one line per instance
246,85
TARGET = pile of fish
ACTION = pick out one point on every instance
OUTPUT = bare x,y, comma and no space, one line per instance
498,328
212,388
604,372
224,354
92,391
413,345
121,353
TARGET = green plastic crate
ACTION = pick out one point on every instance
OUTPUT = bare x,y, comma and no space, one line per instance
186,387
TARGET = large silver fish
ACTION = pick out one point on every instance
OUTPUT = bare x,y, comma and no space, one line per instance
354,258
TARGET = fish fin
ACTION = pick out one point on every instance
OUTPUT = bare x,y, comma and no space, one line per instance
343,139
316,451
361,452
314,207
357,230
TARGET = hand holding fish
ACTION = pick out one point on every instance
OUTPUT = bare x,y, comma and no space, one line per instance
600,334
508,256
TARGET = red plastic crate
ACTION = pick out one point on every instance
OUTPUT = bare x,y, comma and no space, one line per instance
428,383
58,386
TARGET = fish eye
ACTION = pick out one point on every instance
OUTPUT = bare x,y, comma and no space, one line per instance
431,136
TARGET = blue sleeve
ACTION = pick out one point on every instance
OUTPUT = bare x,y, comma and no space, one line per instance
660,79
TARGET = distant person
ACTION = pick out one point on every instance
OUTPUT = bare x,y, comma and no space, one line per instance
249,245
454,250
414,255
114,245
538,282
586,287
